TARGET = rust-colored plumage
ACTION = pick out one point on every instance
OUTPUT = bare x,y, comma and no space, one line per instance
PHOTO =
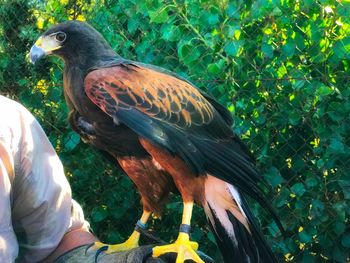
154,184
167,136
191,187
156,94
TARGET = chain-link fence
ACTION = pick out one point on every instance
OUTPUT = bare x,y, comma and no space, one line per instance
281,67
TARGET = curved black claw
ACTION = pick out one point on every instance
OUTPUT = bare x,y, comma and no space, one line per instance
88,246
99,251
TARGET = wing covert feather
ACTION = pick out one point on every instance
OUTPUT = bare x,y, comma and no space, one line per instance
156,94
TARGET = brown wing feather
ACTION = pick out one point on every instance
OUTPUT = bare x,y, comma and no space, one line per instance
156,94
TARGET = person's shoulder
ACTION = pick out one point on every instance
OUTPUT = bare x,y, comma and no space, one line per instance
6,103
9,102
10,107
13,115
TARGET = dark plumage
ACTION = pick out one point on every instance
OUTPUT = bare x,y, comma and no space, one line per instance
167,135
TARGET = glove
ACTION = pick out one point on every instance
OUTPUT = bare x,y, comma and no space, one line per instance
143,254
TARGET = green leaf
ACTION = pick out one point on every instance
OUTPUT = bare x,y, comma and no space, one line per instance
267,50
273,176
233,11
216,68
311,181
196,234
294,117
337,111
71,140
318,58
233,47
345,185
281,71
273,229
116,212
345,241
213,69
339,227
98,214
305,237
298,84
159,16
299,40
22,82
133,24
336,146
276,12
317,208
289,48
298,189
114,237
325,241
171,33
342,48
339,255
324,90
213,19
283,197
188,53
211,237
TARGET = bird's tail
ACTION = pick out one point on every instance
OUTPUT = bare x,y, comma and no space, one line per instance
236,232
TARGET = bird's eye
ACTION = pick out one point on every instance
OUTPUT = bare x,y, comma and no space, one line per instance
60,36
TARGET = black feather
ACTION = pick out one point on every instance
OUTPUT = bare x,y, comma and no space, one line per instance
244,246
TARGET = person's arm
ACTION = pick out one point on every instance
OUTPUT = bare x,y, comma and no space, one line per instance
40,196
8,241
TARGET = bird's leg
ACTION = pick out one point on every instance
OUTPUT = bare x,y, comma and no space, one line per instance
131,242
185,249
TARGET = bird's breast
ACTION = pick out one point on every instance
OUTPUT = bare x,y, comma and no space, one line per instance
108,133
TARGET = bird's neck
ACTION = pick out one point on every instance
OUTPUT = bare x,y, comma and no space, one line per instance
85,63
89,57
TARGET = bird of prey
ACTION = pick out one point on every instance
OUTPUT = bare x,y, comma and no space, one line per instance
167,135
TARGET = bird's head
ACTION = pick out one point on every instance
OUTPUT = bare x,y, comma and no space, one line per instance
73,41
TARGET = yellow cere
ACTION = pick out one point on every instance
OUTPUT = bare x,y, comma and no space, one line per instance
39,42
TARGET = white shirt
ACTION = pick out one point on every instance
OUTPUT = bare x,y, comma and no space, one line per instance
36,207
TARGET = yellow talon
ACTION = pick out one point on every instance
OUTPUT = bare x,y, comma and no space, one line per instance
132,242
185,249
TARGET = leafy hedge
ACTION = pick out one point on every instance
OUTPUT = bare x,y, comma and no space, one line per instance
281,68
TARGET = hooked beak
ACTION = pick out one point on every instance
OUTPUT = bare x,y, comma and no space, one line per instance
44,46
36,53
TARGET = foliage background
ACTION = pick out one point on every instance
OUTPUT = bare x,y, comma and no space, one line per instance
281,68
